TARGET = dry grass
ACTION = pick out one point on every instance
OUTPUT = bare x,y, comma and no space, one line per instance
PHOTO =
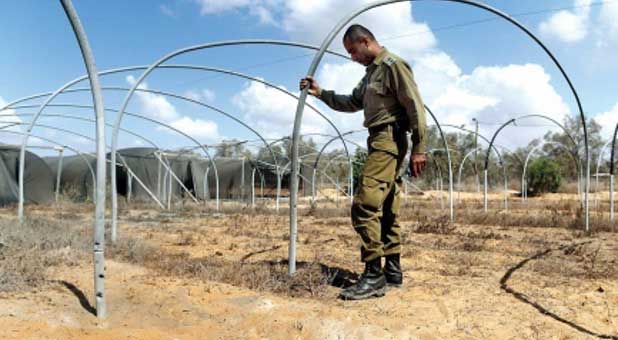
464,247
311,280
588,260
27,250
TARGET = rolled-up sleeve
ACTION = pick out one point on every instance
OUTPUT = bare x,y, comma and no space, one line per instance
403,85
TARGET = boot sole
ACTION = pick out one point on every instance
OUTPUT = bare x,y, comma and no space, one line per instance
376,293
394,285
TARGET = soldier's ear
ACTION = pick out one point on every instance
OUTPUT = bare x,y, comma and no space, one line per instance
365,41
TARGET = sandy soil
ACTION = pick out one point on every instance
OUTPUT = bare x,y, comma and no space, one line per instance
464,282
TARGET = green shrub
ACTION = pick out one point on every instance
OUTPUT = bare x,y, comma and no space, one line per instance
544,176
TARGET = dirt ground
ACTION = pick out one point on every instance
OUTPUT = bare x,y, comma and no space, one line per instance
218,276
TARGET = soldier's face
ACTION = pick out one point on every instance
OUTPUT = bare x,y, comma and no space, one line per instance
359,51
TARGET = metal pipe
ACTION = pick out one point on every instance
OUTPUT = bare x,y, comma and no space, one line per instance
242,179
611,171
506,190
182,185
59,172
450,163
535,149
461,169
129,187
611,198
76,151
97,98
217,198
491,147
253,187
170,193
313,178
124,163
320,54
312,69
66,116
596,179
278,189
159,180
485,190
154,66
206,186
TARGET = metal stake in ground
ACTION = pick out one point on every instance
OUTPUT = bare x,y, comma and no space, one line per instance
99,221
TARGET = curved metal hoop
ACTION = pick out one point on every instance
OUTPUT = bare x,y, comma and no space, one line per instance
156,64
97,99
314,65
514,120
77,152
524,189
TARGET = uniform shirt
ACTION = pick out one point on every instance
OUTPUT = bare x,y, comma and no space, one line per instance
387,93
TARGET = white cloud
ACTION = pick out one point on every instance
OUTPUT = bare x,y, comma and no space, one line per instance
498,93
312,21
608,121
608,24
197,128
8,118
218,6
154,105
433,72
209,95
271,112
569,26
341,78
192,95
79,142
205,95
159,108
166,10
265,15
493,94
490,94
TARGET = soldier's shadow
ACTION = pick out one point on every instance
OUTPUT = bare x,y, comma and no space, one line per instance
336,276
339,277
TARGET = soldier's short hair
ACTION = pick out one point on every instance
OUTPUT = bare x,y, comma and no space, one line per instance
356,32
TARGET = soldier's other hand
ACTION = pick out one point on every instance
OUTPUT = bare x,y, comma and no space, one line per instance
417,164
314,88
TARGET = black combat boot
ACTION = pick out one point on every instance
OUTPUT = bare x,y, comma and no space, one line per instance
371,283
392,270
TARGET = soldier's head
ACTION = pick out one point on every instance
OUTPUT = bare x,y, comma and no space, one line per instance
361,44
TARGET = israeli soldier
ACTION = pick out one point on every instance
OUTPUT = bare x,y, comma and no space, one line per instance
392,106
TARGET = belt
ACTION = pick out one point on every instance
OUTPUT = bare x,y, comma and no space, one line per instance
375,129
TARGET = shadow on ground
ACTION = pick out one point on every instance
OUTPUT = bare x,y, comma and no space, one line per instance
543,310
83,301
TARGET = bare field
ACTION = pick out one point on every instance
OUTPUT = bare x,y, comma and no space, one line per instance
529,273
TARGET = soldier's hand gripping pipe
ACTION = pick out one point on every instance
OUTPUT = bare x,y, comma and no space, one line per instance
392,107
314,88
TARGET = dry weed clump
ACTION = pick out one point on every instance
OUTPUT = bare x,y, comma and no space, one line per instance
311,279
328,212
484,235
590,260
27,250
460,264
426,224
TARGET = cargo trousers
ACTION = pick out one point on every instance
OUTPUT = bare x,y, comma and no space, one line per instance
375,208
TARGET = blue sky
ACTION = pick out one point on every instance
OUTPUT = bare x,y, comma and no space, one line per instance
464,68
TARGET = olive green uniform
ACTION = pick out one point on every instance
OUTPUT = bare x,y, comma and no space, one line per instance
392,106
